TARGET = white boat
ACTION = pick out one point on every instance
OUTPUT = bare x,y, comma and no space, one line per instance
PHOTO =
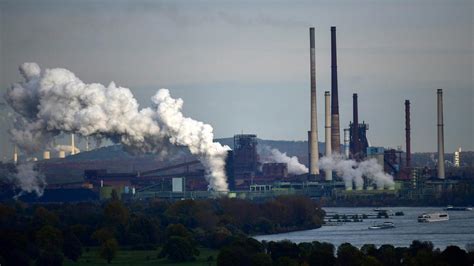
385,225
433,217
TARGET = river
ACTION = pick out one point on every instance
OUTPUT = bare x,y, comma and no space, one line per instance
459,230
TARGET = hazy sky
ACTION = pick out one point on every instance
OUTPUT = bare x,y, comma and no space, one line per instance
244,65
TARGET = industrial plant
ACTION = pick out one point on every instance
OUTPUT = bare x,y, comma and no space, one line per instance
352,169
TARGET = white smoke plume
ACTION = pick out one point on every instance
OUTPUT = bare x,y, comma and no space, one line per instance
28,179
272,155
353,172
55,101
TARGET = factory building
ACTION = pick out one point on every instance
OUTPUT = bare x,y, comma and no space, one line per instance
246,160
275,170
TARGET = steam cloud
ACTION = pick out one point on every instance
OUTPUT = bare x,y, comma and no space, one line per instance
28,179
271,155
55,101
352,171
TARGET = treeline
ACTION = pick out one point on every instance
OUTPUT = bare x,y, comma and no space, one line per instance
248,251
47,234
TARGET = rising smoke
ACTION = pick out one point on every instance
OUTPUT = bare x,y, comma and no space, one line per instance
353,172
271,155
28,179
55,101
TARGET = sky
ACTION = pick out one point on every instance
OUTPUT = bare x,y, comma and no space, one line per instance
243,66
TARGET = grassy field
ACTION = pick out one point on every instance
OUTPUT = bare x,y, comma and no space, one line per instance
141,257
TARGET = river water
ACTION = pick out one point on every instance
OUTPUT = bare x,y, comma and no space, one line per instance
459,230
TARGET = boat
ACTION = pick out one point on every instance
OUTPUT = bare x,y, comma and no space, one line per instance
452,208
385,225
433,217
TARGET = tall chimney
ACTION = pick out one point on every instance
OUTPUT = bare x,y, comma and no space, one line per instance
355,126
441,173
407,135
327,127
314,169
335,132
73,145
15,155
346,142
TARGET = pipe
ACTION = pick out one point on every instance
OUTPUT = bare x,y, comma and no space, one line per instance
327,98
407,136
314,170
335,131
441,172
346,142
355,126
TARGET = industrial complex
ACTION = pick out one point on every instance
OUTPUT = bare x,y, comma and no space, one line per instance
248,176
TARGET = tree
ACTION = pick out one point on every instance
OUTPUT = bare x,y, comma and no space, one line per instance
177,230
233,256
102,235
261,259
179,248
322,255
387,254
49,241
348,255
72,247
283,248
108,249
453,255
116,213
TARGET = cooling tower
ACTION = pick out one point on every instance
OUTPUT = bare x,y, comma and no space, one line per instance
62,154
314,169
335,132
441,173
46,155
327,127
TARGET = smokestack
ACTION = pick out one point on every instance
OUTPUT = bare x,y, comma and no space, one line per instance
15,155
327,100
73,145
314,169
309,149
441,173
407,135
335,132
346,142
355,126
87,143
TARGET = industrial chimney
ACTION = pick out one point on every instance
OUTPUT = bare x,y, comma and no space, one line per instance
15,155
441,173
407,136
335,132
346,142
355,126
327,127
314,156
73,145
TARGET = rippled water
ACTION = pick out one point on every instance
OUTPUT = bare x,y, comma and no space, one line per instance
459,230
